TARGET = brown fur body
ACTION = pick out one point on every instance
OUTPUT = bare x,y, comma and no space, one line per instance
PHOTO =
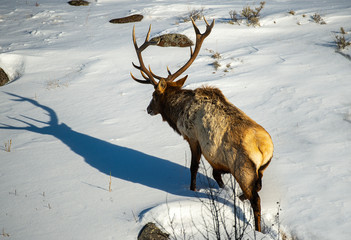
229,140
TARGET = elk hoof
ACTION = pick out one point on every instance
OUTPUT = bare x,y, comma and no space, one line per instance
242,197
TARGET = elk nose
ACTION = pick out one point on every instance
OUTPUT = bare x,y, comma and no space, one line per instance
149,111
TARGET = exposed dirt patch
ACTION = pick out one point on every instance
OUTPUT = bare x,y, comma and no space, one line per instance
151,232
78,3
128,19
3,77
173,40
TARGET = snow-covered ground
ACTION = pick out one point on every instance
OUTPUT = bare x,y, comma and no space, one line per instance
74,116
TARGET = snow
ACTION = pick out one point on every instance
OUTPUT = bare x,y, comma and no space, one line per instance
74,116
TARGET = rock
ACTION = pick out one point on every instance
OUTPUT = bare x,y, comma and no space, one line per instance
173,40
78,3
3,77
151,232
131,18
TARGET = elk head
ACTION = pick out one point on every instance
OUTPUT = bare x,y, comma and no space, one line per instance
166,83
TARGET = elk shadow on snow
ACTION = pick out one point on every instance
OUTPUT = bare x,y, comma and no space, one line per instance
121,162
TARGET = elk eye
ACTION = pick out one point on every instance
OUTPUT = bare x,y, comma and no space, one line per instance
154,96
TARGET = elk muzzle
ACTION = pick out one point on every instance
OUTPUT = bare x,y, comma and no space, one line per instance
151,109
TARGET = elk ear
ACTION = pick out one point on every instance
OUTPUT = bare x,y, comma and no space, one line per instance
180,82
161,86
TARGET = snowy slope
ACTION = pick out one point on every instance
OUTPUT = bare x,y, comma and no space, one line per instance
74,116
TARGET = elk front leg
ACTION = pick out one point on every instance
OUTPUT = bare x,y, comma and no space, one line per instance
195,160
217,175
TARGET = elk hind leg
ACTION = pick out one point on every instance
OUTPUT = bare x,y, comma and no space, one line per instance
248,184
251,194
256,206
260,175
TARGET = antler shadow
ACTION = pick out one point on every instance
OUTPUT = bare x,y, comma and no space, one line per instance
122,162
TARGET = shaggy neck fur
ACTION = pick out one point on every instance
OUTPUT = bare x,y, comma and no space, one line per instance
173,103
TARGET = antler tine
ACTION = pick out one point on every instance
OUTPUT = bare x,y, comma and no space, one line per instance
144,75
191,51
158,77
140,81
134,39
197,31
148,34
169,71
137,67
200,37
206,21
147,42
147,80
208,28
147,75
154,75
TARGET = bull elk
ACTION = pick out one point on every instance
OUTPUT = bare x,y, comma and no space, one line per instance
229,140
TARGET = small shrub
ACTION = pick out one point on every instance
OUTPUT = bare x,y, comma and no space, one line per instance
342,30
318,19
216,65
216,55
292,12
195,14
341,42
234,17
252,16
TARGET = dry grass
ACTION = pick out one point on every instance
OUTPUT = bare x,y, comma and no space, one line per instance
53,84
110,184
4,234
216,56
8,145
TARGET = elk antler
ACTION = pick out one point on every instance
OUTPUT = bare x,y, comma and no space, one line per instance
193,54
148,75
